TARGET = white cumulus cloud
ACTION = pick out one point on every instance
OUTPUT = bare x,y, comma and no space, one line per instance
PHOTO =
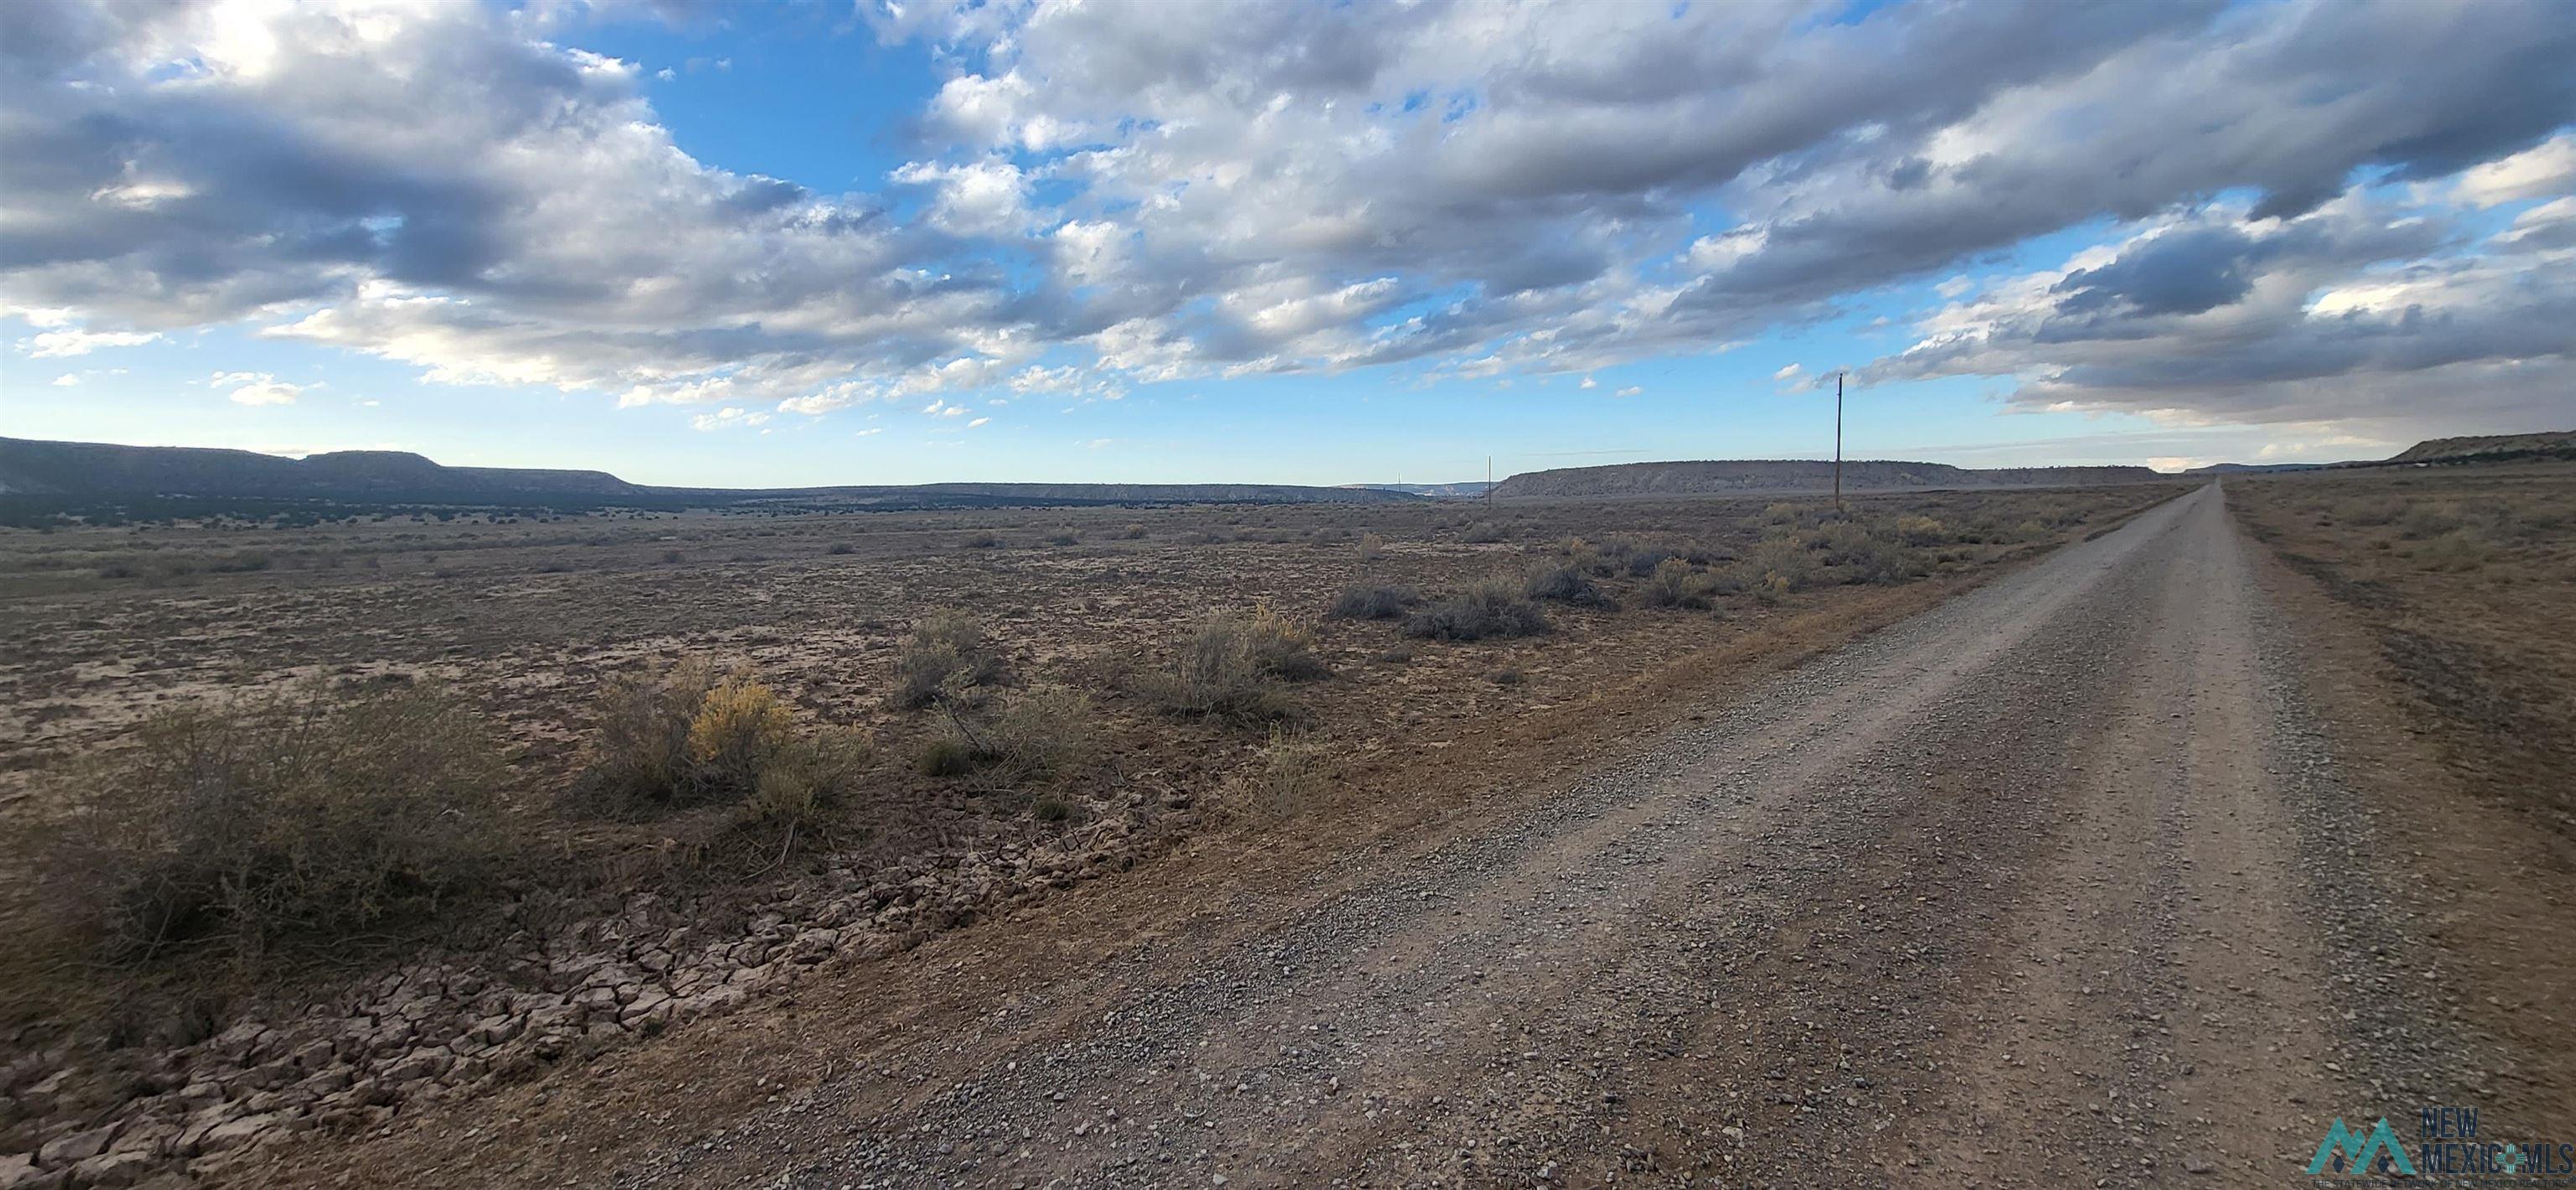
258,388
729,417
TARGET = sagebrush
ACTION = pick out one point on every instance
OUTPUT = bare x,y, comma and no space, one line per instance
684,737
1494,607
1028,736
1373,601
945,656
1232,663
302,818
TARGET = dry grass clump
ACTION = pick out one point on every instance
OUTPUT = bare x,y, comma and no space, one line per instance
1919,531
1373,601
641,753
1283,648
1032,735
2424,521
1231,666
1285,780
1372,547
803,790
1564,584
1582,556
739,725
1862,556
2458,550
1786,513
1775,567
1790,559
1494,607
1044,732
1676,583
685,737
304,818
945,656
1988,529
1481,533
2372,510
1643,562
945,756
1614,556
2445,535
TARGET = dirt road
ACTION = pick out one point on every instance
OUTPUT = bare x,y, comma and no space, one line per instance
2048,886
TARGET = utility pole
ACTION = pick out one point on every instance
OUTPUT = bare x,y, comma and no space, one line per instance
1838,442
1489,483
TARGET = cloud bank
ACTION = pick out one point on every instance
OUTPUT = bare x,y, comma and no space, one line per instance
2299,211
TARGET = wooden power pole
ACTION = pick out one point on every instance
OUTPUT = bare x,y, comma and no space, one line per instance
1838,442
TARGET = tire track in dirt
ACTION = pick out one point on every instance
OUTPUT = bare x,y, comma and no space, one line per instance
2165,994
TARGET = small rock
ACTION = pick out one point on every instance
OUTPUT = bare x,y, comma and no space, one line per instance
113,1169
714,1001
200,1094
650,1002
236,1133
496,1030
76,1147
18,1172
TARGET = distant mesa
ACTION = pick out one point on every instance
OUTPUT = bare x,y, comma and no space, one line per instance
2494,448
1799,475
2259,468
1437,491
1786,476
91,469
2491,448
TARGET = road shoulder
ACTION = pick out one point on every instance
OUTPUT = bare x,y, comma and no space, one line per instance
2485,895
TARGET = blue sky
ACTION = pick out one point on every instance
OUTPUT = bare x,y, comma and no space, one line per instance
816,243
